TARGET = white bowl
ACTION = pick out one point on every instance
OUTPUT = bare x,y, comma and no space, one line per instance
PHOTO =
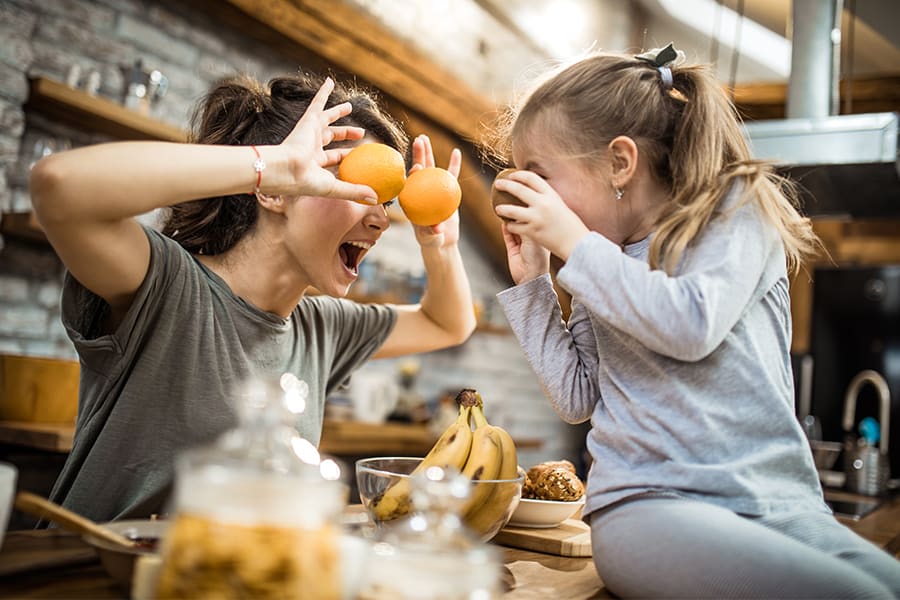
544,513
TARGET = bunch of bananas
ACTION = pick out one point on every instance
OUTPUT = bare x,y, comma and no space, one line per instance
483,454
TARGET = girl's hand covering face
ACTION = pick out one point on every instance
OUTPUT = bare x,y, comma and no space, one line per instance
544,218
308,159
446,233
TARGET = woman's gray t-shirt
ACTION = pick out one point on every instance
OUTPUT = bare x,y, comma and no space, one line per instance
165,380
686,379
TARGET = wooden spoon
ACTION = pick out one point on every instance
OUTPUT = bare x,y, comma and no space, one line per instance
65,518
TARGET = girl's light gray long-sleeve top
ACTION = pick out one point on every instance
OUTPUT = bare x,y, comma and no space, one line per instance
687,378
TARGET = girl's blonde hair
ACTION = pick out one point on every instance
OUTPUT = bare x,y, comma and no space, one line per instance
690,136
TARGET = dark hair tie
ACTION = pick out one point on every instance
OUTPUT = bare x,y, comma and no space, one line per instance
663,59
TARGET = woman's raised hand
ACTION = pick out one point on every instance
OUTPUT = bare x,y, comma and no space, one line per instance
309,161
447,232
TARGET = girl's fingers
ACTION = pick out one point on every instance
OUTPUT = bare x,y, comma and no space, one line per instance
510,211
511,240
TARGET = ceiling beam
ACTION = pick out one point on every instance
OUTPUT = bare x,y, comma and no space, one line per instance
332,36
357,43
863,95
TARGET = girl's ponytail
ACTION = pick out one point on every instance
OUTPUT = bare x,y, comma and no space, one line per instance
709,156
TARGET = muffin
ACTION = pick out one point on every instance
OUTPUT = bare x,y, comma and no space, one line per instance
553,480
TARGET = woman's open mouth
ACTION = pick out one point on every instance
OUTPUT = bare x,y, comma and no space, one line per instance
352,254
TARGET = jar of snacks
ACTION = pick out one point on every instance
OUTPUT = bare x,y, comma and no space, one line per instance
255,512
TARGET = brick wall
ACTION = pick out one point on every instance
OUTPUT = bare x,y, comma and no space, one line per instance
47,38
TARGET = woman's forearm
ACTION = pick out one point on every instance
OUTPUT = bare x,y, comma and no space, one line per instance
109,182
447,300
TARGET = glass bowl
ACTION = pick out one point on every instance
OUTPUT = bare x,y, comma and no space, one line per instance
375,475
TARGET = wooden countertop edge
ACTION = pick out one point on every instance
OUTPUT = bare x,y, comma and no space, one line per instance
33,555
338,437
55,437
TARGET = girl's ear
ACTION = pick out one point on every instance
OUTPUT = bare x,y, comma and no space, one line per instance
272,203
623,153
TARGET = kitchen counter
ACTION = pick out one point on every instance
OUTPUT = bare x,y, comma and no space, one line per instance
56,564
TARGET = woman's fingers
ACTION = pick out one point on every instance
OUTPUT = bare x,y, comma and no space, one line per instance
318,102
423,155
336,112
455,163
352,191
340,133
334,156
427,151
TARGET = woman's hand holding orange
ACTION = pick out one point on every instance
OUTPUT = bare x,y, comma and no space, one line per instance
308,160
446,233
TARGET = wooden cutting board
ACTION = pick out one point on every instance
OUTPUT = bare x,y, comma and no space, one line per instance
571,538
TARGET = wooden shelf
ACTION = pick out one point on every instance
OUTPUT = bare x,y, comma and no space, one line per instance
338,437
55,437
82,111
491,328
92,113
22,225
375,439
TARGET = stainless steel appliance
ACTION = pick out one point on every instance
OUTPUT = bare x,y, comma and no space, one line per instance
845,164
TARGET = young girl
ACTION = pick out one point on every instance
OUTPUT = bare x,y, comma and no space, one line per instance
167,324
676,250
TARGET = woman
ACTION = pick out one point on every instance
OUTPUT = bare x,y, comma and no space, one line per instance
166,324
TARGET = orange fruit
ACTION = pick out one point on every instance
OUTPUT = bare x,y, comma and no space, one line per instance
376,165
430,196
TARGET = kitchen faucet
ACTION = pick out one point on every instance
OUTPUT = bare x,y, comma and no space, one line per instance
884,403
867,469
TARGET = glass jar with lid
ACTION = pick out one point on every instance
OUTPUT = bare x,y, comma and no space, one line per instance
255,512
432,555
